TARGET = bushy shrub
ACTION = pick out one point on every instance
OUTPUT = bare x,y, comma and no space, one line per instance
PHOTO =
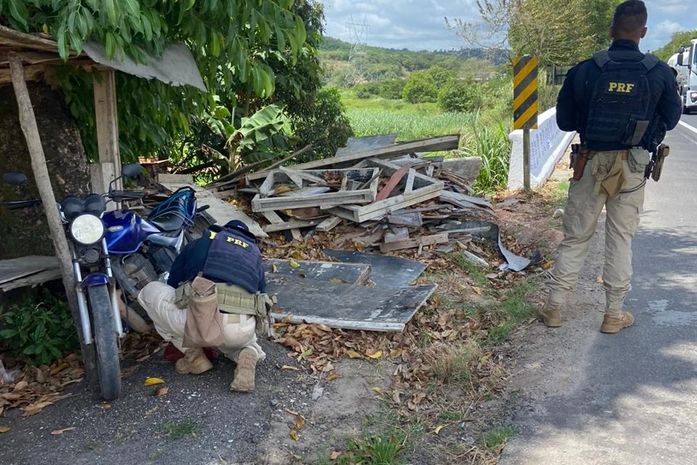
322,123
423,86
389,89
39,328
419,88
460,96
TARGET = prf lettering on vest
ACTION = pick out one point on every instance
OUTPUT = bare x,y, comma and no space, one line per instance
231,240
621,87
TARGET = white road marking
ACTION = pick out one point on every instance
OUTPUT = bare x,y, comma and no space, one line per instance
688,127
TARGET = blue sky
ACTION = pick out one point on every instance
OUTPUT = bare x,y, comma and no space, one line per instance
420,24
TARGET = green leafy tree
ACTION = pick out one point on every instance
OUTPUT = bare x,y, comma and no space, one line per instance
678,40
460,95
558,31
423,86
238,46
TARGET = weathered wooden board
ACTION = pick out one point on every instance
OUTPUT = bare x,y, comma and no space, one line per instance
28,271
424,188
279,272
351,307
386,271
426,145
265,202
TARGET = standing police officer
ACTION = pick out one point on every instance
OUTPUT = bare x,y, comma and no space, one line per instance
619,102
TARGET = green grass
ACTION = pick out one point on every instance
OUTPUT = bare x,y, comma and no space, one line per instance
513,309
497,437
386,440
406,124
477,273
179,429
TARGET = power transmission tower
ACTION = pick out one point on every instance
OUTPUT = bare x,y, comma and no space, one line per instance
358,71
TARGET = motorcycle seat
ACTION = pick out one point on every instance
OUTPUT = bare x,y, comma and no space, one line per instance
168,222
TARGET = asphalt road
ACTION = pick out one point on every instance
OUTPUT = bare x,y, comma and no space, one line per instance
588,398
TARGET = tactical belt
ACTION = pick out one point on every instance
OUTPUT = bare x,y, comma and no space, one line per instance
231,299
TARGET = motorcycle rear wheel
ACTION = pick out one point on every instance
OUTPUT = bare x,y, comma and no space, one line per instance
106,342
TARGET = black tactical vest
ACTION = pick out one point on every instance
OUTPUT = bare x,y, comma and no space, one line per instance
233,258
620,109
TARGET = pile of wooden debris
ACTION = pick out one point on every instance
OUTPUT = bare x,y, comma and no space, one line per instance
399,197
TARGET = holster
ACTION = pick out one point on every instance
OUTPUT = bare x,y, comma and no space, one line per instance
204,323
659,158
579,159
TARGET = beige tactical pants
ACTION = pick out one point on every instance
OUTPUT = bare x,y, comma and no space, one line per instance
580,220
158,300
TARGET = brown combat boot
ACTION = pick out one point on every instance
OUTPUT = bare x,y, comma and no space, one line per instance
550,315
616,322
245,371
194,362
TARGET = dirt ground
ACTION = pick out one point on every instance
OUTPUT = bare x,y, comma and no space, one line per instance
297,417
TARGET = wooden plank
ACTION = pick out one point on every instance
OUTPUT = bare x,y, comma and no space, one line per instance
410,180
434,144
272,217
107,125
328,224
326,200
302,175
290,224
392,183
441,238
16,268
405,218
398,234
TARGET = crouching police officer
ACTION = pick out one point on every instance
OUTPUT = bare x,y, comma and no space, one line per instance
617,101
218,302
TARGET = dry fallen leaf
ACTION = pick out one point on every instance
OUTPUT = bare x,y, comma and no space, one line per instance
294,435
21,385
274,268
375,355
4,429
161,391
58,432
438,428
104,405
353,354
36,407
288,367
394,353
293,264
334,455
153,381
332,376
299,422
377,390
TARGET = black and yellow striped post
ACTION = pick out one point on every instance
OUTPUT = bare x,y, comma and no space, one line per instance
525,105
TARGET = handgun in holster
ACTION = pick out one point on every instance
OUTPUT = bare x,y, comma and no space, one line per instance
579,158
655,166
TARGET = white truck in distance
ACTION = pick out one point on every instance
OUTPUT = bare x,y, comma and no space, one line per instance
685,65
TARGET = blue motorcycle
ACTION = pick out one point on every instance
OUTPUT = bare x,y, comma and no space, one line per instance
118,247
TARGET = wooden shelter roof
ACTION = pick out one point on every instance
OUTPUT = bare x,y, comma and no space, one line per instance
39,51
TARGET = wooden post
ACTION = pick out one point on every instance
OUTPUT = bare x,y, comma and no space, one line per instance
526,159
27,120
106,117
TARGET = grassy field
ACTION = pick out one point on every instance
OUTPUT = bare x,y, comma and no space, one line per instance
484,134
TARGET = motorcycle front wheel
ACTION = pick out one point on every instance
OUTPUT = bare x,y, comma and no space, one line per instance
106,342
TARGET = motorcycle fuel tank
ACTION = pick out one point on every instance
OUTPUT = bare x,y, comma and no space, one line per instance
126,231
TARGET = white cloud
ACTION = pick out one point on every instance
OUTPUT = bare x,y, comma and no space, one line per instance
420,24
413,24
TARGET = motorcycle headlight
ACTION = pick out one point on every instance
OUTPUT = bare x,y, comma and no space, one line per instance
87,229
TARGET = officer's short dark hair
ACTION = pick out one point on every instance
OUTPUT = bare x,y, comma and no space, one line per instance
630,16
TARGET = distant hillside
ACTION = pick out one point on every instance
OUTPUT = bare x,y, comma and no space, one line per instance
377,63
